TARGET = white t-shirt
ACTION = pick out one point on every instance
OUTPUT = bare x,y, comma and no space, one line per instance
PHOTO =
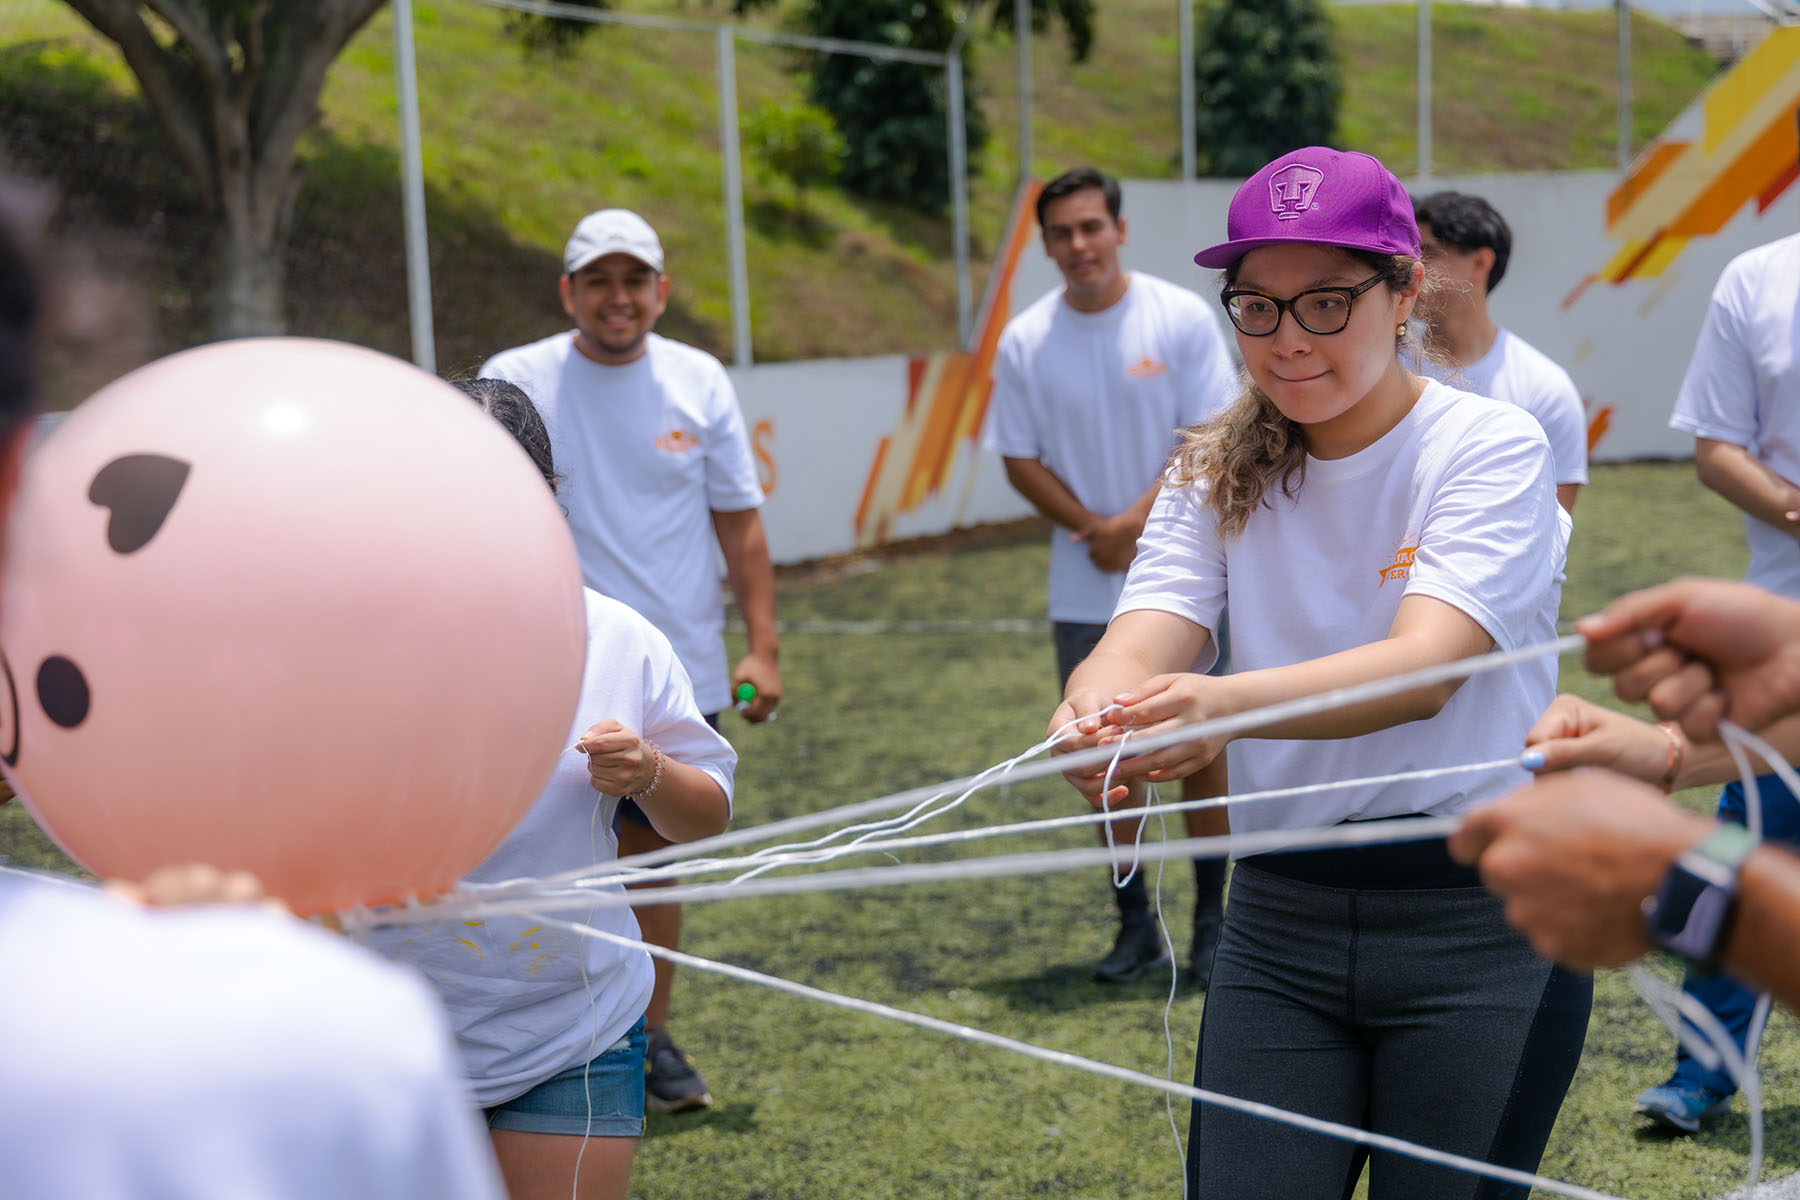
217,1054
527,1000
1455,502
1098,398
1519,373
647,452
1743,387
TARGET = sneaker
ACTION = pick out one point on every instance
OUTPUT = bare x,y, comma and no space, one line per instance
1138,949
670,1082
1682,1108
1207,927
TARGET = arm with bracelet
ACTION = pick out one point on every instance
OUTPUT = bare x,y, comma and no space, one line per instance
683,802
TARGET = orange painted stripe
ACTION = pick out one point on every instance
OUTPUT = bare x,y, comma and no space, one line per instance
1598,426
862,508
1781,183
938,439
1639,181
1748,175
1644,251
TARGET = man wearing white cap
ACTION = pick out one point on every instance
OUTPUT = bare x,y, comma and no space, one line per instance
658,468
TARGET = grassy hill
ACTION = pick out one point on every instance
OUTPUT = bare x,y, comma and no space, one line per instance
516,148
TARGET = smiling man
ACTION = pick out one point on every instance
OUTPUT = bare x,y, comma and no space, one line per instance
656,467
1090,385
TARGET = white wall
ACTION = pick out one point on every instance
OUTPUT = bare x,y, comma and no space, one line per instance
817,426
1626,346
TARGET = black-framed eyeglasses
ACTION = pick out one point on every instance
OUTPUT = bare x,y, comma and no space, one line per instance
1318,310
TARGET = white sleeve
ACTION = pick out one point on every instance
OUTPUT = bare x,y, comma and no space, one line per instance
1180,564
1564,419
1718,395
671,717
732,484
1494,536
1213,376
1011,431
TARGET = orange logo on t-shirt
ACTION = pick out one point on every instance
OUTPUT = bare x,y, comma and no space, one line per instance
1146,368
676,441
1401,567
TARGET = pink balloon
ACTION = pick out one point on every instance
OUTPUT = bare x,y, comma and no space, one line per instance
291,606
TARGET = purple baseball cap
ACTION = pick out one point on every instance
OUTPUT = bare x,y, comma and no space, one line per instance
1318,195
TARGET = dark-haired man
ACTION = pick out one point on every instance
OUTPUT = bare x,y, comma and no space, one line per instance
1467,245
1090,385
658,481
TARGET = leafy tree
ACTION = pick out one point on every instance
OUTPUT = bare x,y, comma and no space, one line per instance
1076,17
893,115
555,35
235,83
798,142
1266,81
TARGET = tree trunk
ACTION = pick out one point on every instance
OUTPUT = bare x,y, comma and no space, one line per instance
248,274
235,86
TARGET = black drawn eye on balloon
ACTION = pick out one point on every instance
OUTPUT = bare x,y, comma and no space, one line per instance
138,490
9,713
62,692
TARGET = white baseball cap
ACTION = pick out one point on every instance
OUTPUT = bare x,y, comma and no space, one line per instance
612,231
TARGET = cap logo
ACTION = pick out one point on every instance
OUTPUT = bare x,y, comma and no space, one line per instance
1291,190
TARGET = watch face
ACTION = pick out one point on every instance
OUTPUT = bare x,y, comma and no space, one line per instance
1689,915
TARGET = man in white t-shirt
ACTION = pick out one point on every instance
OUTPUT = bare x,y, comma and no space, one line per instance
1740,400
1466,246
1091,384
658,481
213,1053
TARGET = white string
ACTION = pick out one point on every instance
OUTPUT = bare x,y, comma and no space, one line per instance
1356,833
1217,726
1162,926
1137,837
1042,825
1378,1141
917,815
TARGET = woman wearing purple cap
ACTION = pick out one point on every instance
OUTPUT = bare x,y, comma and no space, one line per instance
1357,522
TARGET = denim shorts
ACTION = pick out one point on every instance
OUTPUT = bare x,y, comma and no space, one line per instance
602,1098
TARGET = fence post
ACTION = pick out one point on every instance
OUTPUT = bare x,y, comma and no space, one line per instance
1424,70
1623,7
734,197
1022,31
412,189
1185,9
959,187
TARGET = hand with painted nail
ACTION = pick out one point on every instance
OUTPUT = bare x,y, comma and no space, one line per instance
1574,732
1700,649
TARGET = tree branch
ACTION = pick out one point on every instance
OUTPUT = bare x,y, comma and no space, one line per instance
160,76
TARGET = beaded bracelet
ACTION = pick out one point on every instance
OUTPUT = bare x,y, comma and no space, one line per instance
655,777
1677,751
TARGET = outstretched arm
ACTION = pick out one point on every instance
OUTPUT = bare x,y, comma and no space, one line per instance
752,577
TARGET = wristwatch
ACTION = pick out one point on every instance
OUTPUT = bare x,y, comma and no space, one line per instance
1690,915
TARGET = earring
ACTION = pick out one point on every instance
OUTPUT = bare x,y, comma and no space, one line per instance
1400,330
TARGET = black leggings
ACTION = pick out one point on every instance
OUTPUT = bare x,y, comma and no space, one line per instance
1411,1012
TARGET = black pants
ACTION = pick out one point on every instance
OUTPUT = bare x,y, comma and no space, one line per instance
1415,1013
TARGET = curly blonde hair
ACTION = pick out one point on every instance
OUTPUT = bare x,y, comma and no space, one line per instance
1251,446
